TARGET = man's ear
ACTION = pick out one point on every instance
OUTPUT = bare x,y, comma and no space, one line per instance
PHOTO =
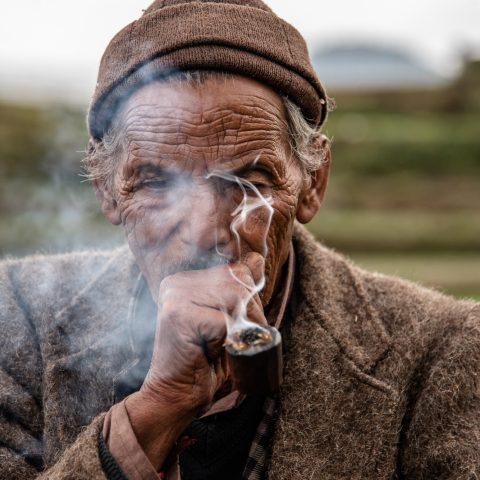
107,202
312,195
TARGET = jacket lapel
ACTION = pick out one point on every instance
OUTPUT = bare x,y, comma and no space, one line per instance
336,419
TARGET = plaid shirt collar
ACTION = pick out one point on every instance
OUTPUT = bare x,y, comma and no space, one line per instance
255,468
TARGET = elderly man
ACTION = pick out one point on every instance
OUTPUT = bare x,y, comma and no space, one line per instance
206,147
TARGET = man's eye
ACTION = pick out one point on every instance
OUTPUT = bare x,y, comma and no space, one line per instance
258,180
157,183
260,183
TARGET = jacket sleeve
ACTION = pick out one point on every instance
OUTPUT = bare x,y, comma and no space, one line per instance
443,437
21,415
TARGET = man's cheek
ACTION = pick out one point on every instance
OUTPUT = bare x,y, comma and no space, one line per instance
281,226
254,229
284,210
144,221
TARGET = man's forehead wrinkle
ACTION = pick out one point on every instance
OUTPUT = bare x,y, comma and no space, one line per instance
184,132
252,101
213,131
242,148
204,136
218,116
206,103
255,111
166,152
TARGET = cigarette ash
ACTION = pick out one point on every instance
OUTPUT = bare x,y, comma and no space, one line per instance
241,340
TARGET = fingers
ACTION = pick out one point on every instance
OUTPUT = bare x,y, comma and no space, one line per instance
225,288
194,309
255,313
227,293
256,264
184,331
248,271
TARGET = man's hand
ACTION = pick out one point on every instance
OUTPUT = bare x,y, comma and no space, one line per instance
188,363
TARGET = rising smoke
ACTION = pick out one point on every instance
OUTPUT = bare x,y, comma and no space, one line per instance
246,207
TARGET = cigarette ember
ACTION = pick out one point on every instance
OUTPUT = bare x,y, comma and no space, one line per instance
240,340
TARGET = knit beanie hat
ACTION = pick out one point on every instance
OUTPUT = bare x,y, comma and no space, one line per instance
236,36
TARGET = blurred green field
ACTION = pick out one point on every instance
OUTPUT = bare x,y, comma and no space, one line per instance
381,231
403,199
451,273
437,249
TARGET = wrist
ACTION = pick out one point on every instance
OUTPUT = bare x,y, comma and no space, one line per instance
158,413
157,424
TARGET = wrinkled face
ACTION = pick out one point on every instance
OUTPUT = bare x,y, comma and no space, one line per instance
168,193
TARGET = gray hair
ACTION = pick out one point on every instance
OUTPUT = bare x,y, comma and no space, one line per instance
103,156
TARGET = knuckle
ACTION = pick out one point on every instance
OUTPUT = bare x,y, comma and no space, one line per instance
242,273
169,286
169,310
239,293
252,310
165,285
178,313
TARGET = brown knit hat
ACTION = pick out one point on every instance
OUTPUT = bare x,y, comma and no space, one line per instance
237,36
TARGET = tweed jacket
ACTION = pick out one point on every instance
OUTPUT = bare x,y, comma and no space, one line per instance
381,375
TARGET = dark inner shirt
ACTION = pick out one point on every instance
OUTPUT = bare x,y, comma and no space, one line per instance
222,442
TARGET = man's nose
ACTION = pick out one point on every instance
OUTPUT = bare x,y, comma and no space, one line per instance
209,217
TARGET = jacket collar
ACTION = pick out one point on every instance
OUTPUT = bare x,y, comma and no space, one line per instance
334,293
335,415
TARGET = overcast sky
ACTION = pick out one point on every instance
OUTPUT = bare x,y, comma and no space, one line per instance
58,43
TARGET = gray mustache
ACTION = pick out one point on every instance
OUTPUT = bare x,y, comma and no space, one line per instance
198,262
